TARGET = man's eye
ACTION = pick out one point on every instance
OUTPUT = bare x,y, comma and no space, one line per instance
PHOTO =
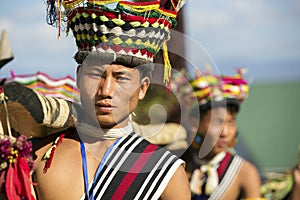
122,78
232,123
94,74
217,122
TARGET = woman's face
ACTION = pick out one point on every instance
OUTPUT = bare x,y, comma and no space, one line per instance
217,129
111,92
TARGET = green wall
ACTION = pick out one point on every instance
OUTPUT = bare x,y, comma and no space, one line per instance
269,125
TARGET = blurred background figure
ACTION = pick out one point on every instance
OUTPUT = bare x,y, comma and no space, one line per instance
295,194
215,170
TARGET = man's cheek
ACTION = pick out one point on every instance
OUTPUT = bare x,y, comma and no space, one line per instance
212,136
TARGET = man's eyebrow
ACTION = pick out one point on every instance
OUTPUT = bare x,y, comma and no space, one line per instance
99,69
218,118
121,73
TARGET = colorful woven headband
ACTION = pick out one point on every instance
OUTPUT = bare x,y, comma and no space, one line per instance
134,30
209,88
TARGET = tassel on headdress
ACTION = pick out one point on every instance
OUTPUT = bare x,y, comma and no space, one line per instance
167,70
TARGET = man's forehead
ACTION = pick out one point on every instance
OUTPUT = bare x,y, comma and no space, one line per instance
222,112
110,67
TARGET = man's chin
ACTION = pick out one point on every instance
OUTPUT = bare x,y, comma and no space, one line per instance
218,150
107,124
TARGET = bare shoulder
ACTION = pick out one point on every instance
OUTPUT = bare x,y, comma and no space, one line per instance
178,186
65,163
249,180
248,169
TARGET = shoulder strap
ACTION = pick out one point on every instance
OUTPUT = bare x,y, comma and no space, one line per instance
228,177
135,169
224,165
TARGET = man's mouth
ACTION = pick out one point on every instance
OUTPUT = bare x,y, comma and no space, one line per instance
105,107
222,143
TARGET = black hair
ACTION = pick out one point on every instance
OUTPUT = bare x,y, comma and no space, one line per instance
146,70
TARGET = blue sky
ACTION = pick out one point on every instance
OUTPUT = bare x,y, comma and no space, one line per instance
260,35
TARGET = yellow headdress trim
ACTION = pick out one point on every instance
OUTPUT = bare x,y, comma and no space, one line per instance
140,8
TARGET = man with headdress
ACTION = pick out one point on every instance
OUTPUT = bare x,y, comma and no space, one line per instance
215,171
103,158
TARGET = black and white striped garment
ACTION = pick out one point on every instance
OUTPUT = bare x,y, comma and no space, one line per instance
134,169
231,172
48,111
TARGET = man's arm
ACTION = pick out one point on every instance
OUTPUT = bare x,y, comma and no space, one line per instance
178,187
250,181
295,195
35,115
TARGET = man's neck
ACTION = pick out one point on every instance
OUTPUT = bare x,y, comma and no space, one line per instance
97,132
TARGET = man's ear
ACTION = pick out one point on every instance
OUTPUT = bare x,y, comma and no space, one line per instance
144,87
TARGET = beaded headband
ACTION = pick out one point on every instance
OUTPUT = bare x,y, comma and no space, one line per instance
135,31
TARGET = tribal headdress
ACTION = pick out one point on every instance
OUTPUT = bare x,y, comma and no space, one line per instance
129,33
206,88
219,88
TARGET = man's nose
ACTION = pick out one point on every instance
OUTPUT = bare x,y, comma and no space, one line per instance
107,87
225,130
